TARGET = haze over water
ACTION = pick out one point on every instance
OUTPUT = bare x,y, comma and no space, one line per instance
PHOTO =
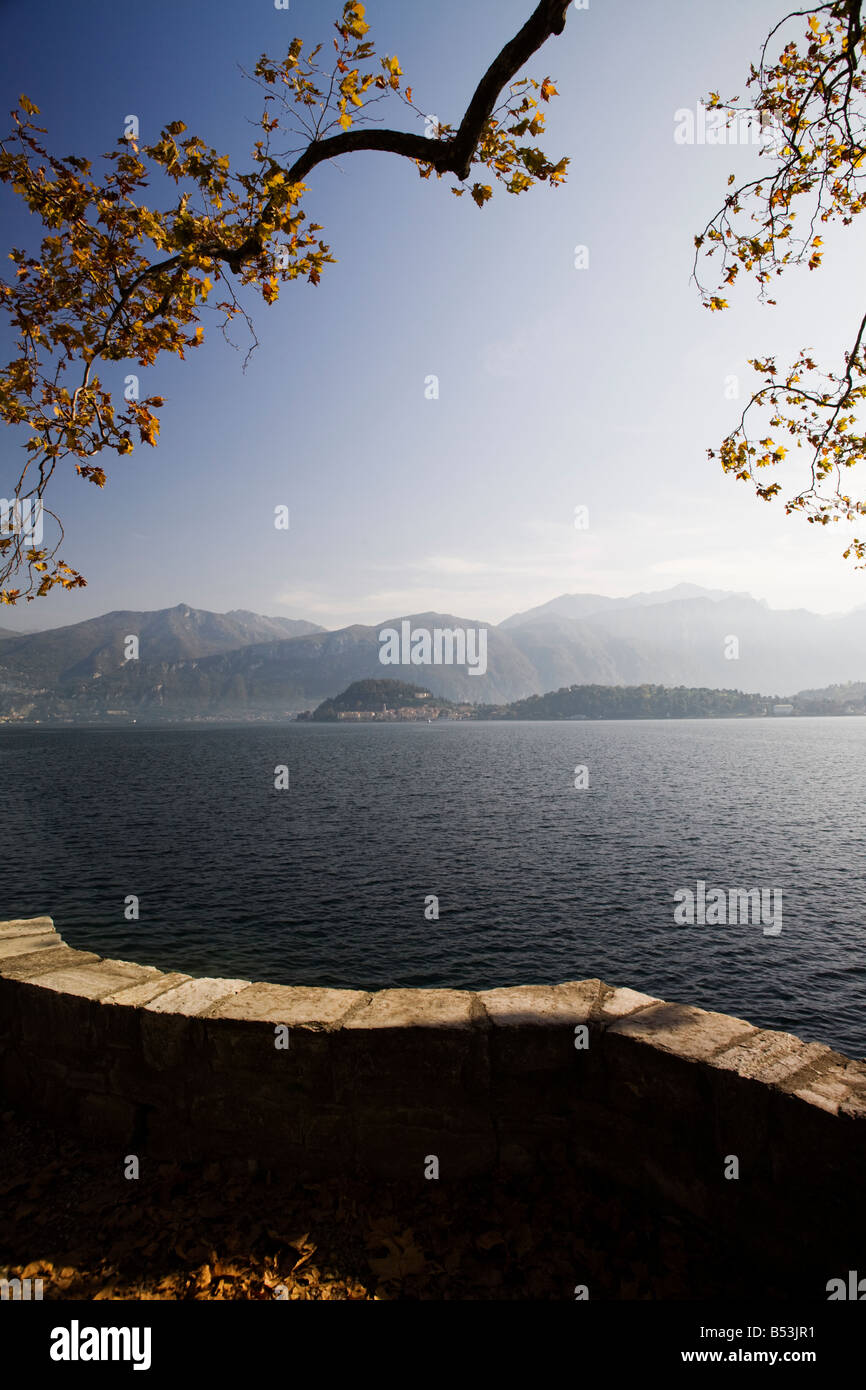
325,883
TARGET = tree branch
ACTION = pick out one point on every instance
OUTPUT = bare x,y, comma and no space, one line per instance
452,156
547,19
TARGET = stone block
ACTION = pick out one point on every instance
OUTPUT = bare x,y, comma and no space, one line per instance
415,1008
412,1047
294,1006
172,1042
770,1057
172,1033
27,926
615,1004
532,1030
683,1031
828,1089
541,1006
91,981
29,967
247,1048
156,984
54,1022
12,946
195,996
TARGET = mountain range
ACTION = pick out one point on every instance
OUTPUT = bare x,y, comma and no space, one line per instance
196,664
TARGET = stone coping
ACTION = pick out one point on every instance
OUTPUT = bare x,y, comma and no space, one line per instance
33,953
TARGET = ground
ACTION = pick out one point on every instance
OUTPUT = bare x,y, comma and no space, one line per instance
70,1216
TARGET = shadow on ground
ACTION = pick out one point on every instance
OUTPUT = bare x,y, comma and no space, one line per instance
71,1217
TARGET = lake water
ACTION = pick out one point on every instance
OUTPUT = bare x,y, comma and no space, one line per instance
325,883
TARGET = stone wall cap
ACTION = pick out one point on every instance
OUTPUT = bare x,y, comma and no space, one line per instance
26,926
688,1032
294,1005
32,953
195,995
29,968
772,1057
415,1008
839,1088
13,946
91,981
621,1002
141,994
541,1005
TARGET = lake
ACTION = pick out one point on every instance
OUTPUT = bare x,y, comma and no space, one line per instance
327,882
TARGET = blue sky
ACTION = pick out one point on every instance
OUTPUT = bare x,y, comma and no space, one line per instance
559,387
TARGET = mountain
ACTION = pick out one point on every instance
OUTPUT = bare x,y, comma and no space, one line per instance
194,664
584,605
685,641
96,646
290,675
80,671
70,673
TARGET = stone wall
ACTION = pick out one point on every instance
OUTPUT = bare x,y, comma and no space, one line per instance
569,1078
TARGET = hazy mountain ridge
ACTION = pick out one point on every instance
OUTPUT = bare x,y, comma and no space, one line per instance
198,664
294,674
684,642
96,646
585,605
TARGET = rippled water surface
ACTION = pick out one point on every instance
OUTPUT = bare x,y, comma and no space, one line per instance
325,884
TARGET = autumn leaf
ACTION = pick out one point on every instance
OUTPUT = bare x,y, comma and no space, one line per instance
120,276
403,1258
810,96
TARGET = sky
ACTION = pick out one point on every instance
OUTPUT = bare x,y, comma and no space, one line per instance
559,387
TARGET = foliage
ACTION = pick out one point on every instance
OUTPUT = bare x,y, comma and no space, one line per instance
811,100
118,279
629,702
373,694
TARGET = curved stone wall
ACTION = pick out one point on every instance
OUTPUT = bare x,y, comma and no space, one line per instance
575,1077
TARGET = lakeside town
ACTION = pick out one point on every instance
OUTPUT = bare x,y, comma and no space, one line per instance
423,712
412,705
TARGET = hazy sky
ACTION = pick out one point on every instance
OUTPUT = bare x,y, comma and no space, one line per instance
559,387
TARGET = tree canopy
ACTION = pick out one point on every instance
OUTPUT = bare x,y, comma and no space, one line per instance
116,279
810,102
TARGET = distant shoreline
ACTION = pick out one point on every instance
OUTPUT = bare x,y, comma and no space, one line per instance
236,722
